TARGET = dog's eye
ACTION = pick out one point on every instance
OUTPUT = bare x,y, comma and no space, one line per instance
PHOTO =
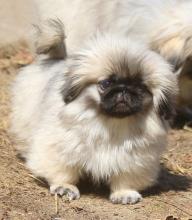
104,84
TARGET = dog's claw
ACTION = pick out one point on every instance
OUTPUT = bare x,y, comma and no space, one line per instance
125,197
70,191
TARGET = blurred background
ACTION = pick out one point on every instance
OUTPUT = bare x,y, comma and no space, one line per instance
16,18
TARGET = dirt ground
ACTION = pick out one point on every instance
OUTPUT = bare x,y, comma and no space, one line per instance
24,197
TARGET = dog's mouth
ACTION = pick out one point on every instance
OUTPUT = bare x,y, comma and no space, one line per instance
121,109
124,99
120,106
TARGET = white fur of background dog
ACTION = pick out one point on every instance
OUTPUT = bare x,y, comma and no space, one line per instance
62,141
166,25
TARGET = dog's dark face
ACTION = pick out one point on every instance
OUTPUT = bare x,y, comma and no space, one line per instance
119,96
122,97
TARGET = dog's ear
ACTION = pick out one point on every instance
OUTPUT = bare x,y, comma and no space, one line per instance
73,86
167,108
75,81
50,39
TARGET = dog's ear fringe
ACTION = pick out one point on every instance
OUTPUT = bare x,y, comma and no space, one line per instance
167,108
70,90
74,84
50,39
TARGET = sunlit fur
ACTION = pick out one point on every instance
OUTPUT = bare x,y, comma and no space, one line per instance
62,141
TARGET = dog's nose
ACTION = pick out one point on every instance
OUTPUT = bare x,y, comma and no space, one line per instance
119,97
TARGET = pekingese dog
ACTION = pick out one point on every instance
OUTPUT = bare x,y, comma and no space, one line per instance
101,111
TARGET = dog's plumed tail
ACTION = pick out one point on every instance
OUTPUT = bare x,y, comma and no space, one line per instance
50,39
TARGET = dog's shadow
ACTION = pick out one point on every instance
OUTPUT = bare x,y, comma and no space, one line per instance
167,182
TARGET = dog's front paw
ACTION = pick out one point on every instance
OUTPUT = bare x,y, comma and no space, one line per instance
69,190
125,197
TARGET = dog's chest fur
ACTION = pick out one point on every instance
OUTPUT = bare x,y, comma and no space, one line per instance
112,147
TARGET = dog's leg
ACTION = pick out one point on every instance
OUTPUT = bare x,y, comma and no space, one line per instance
64,183
50,166
122,191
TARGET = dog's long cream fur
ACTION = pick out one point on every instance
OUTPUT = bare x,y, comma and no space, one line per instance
62,141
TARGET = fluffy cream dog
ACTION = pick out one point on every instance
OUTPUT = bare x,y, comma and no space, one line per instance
102,111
